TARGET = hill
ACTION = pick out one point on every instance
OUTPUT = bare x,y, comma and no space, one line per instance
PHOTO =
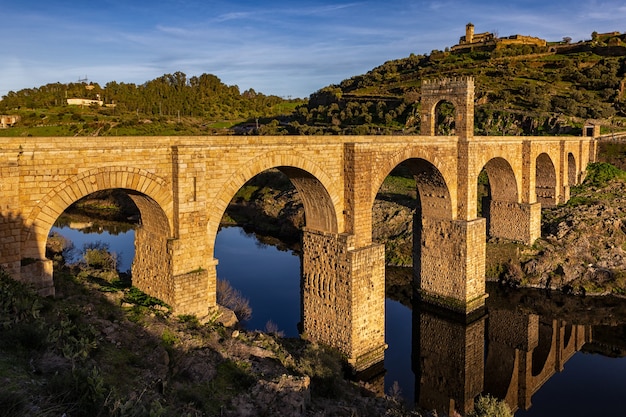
520,90
172,104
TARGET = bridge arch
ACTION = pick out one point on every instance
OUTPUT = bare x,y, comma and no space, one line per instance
431,181
502,181
572,170
321,196
545,181
147,191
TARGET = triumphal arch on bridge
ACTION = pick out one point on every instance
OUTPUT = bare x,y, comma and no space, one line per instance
183,185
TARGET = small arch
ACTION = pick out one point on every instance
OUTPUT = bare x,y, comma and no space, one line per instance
545,181
445,118
497,189
572,177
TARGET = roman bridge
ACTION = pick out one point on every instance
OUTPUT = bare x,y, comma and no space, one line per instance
183,185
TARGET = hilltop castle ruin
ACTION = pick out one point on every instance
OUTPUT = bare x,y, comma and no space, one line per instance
481,40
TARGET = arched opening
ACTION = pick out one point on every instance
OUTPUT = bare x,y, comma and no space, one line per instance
445,119
544,346
117,237
148,193
572,176
258,246
497,188
545,181
412,195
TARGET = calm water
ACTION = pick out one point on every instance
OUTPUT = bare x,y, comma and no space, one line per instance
587,385
121,243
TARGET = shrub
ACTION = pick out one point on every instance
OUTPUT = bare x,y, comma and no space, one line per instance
233,299
97,255
600,174
488,406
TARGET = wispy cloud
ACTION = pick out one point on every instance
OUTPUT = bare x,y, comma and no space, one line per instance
277,47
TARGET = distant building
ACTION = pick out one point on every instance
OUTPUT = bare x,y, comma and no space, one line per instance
8,121
83,102
486,39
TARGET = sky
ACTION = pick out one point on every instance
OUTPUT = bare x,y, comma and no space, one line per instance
285,48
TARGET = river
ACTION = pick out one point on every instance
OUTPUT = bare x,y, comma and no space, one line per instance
533,348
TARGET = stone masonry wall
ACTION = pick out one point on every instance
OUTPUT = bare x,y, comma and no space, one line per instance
327,292
343,296
368,281
450,268
519,222
152,266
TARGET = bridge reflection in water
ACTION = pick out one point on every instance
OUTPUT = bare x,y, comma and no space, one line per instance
503,350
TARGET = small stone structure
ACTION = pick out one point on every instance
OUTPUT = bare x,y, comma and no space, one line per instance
183,185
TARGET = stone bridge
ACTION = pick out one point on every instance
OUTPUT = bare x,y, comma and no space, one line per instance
183,185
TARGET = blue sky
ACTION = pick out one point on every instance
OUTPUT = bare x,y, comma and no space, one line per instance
286,48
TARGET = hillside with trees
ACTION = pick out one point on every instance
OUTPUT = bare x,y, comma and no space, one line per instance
172,104
520,90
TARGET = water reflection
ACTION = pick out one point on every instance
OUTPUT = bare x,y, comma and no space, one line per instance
510,352
544,354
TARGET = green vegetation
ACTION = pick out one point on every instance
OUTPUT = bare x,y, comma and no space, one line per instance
488,406
519,90
600,173
87,353
172,104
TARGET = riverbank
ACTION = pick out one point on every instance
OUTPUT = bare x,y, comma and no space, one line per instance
102,348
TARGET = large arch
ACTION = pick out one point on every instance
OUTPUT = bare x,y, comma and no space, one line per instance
320,195
151,269
147,187
545,181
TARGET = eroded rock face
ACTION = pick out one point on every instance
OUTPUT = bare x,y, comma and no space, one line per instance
286,395
583,243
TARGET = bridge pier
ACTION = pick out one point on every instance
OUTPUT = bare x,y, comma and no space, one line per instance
448,359
38,273
449,263
343,296
516,221
153,272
